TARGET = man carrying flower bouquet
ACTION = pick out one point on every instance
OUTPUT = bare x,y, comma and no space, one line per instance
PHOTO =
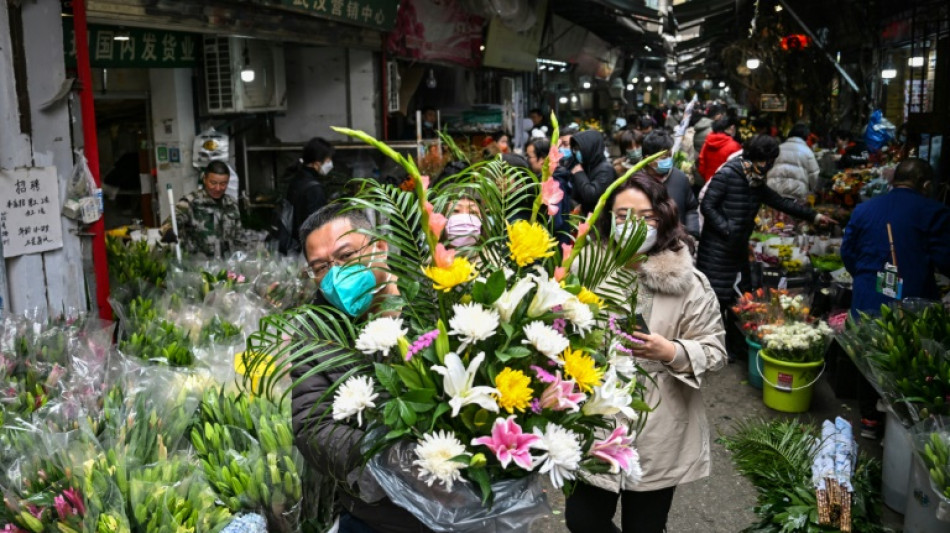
349,268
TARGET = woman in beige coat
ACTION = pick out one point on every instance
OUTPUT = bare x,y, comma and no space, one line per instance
685,341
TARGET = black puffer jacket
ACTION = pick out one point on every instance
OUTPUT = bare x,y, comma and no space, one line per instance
306,194
729,208
597,173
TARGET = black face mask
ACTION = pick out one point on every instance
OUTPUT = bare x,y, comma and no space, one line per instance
763,169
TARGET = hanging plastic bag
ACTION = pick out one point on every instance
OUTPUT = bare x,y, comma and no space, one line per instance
879,132
83,198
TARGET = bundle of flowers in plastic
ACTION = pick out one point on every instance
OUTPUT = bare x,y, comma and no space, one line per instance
490,364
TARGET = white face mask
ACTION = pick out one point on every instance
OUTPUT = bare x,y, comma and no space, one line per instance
622,234
326,168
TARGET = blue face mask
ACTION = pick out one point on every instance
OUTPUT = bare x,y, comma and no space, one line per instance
565,152
349,288
577,157
664,165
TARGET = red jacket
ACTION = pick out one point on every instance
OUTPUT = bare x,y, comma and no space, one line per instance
716,150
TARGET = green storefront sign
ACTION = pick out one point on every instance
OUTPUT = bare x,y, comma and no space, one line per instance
375,14
137,47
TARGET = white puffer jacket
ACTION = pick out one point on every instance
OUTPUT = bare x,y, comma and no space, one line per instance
795,173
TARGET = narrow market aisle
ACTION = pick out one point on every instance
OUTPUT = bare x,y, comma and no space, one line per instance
723,502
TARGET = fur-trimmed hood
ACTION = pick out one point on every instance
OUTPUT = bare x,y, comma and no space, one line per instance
668,272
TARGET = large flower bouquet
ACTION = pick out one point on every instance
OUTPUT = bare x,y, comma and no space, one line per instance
491,363
797,342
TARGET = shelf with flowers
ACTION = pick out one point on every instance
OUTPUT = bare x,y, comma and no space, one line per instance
490,367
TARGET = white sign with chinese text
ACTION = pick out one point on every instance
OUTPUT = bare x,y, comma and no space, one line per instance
29,211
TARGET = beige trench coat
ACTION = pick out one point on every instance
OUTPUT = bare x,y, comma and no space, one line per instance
674,444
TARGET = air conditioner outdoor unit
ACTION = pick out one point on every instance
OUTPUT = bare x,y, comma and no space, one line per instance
226,92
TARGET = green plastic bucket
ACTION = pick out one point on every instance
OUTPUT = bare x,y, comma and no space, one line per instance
788,386
755,377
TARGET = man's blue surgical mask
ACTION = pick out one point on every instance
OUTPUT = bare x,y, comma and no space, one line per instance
565,151
349,288
664,165
634,155
578,158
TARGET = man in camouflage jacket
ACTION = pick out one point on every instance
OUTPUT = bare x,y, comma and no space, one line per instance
209,221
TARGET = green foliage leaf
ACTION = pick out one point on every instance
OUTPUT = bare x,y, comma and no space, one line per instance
409,376
512,352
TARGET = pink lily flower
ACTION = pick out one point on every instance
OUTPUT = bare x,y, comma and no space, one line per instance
560,396
551,195
443,257
509,443
618,450
75,499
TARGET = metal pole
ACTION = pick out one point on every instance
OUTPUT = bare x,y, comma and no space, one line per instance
4,297
811,36
91,151
174,217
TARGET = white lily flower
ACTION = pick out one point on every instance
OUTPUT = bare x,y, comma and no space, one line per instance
609,398
458,384
549,295
510,299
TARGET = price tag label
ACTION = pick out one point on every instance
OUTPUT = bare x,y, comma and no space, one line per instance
889,283
784,382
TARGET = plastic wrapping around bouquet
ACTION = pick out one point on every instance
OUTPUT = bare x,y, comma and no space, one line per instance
895,463
787,387
926,511
517,502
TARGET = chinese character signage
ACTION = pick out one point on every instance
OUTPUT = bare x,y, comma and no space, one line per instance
375,14
29,211
137,47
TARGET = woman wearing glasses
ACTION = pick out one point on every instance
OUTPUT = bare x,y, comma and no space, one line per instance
685,340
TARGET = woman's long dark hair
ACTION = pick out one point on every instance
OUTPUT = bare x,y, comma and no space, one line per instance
670,233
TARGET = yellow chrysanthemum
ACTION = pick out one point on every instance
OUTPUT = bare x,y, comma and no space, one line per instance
443,279
514,391
582,369
586,296
529,242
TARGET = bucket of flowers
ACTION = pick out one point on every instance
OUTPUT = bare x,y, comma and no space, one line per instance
490,368
792,362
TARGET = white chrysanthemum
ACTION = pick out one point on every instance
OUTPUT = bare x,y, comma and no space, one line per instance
623,364
579,314
549,295
435,452
473,323
352,397
562,455
380,335
511,299
546,340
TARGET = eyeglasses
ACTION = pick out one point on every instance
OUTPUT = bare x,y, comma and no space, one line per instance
317,269
628,214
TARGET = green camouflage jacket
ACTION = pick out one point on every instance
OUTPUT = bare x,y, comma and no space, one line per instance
207,226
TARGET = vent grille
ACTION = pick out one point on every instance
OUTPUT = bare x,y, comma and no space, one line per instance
219,87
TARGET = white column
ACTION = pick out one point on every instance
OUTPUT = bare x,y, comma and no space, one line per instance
173,125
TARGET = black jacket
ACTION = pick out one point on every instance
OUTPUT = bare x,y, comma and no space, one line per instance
333,448
306,194
679,189
597,174
729,209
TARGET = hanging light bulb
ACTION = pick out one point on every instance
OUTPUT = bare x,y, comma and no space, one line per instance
646,79
587,85
562,99
662,79
889,73
649,87
722,84
629,86
634,80
430,81
916,61
573,98
752,63
247,73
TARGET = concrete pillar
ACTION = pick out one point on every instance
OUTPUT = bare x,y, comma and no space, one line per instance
173,126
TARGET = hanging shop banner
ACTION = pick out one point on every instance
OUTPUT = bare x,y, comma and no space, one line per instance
437,30
112,47
29,211
376,14
773,102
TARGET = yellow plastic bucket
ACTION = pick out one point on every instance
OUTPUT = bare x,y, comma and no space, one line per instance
787,387
262,368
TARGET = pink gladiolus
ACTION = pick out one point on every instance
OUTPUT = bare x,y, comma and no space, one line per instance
566,249
617,449
425,182
509,443
554,157
560,273
582,229
437,222
443,257
551,195
560,396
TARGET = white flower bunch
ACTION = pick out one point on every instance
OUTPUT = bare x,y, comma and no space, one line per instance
796,341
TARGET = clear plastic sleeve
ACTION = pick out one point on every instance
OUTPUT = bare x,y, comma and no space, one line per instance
517,502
